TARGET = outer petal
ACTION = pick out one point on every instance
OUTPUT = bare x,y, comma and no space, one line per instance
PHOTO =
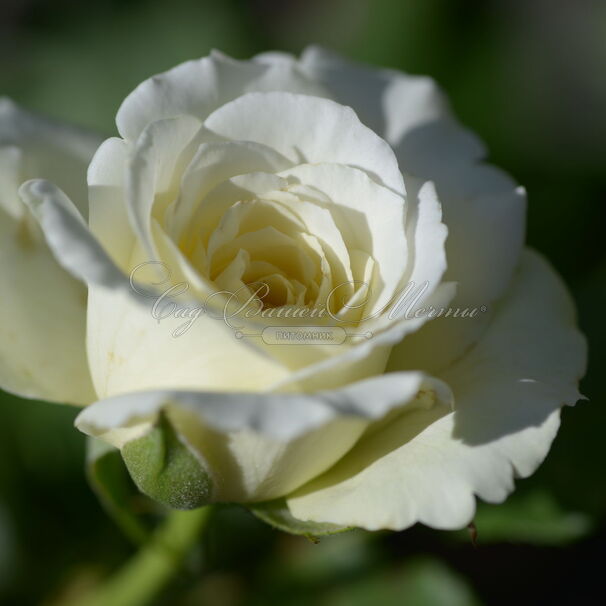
108,216
162,351
48,149
426,235
197,88
42,313
508,390
142,354
157,160
486,217
42,321
390,102
69,238
486,232
308,130
260,446
482,208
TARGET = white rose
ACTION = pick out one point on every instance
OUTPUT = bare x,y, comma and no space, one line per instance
231,174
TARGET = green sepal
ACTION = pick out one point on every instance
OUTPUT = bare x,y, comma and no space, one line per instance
109,478
165,469
276,514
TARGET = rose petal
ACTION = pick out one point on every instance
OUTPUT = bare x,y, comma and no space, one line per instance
196,88
42,305
508,391
370,217
50,150
68,236
257,447
308,130
388,101
108,216
213,164
427,233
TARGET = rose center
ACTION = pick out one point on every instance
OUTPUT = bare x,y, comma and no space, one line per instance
259,248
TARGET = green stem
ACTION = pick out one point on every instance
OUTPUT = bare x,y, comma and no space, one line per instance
139,581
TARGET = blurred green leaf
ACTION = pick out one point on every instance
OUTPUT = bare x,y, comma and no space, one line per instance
419,582
301,572
533,518
77,69
109,479
7,547
341,556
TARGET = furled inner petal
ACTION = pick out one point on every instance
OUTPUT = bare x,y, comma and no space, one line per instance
370,218
268,244
250,234
214,163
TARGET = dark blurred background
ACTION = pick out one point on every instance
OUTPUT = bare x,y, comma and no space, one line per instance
530,78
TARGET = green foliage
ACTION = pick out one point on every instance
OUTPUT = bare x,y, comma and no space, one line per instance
534,518
421,582
108,477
